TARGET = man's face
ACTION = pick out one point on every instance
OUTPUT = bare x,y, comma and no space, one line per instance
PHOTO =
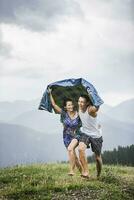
82,103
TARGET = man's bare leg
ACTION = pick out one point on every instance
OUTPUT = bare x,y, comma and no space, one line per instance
98,164
72,155
83,159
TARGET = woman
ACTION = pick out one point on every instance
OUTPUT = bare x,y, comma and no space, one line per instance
71,124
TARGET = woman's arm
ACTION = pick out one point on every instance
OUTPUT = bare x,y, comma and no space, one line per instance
55,106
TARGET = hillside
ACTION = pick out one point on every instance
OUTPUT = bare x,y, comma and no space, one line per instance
29,135
115,132
10,110
38,119
122,112
19,144
51,182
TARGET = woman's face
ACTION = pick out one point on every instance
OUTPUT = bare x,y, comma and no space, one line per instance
69,106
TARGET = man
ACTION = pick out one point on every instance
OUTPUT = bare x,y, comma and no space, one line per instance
90,134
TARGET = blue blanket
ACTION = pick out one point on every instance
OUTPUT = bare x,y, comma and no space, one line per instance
71,88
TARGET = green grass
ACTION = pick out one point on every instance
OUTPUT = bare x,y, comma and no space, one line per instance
50,181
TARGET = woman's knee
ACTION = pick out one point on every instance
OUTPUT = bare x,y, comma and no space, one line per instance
81,147
72,145
70,149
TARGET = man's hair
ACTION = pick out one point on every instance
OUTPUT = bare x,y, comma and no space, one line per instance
88,100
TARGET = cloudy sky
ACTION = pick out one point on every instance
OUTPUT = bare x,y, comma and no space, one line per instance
42,41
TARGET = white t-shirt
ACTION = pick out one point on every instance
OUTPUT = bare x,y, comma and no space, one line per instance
90,125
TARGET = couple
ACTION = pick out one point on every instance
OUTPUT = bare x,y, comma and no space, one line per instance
80,130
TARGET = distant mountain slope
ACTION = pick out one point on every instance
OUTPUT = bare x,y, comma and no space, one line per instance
116,133
9,110
39,120
123,112
19,144
111,127
105,108
32,135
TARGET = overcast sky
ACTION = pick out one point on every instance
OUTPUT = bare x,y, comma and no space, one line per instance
42,41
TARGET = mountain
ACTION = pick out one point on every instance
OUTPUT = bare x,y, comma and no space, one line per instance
105,108
20,144
32,135
39,120
116,133
10,110
123,112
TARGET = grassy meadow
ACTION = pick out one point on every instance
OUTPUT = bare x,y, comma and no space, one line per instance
51,181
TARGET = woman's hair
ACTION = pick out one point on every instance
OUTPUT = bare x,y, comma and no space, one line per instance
65,100
88,100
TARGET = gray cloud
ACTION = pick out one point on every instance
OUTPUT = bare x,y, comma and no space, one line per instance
44,15
5,48
113,71
115,9
98,48
37,15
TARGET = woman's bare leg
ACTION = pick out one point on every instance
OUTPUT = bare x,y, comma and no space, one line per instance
72,155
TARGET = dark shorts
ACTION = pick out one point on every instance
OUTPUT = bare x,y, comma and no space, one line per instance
67,138
96,143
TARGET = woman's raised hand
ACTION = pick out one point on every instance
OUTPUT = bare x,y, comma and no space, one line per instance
49,90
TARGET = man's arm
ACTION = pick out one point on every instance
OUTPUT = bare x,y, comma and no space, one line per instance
55,106
92,110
